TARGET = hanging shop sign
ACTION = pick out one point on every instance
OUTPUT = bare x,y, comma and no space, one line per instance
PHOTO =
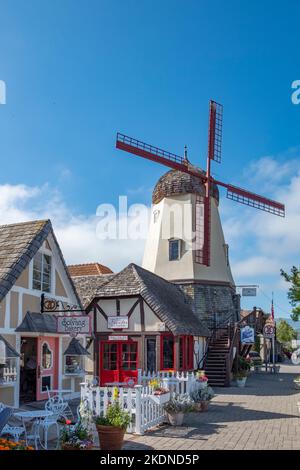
247,335
249,291
269,330
117,323
73,324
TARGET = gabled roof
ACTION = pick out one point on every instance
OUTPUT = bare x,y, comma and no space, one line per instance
88,269
165,298
38,323
76,349
18,245
9,350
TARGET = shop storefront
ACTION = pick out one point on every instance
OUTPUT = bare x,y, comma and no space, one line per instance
142,322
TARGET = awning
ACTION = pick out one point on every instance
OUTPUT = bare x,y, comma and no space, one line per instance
38,323
9,350
76,349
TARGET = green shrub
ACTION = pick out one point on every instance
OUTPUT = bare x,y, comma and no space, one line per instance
115,416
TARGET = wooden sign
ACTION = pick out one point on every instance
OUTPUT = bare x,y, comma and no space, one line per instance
118,338
73,324
247,335
117,323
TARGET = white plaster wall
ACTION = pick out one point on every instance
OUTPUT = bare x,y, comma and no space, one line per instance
175,221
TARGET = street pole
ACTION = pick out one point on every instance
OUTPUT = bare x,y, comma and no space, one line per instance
273,350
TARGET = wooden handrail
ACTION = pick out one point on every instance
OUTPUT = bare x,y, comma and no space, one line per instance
234,342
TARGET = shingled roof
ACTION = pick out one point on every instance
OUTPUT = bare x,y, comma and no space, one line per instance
18,245
86,286
38,323
165,298
88,269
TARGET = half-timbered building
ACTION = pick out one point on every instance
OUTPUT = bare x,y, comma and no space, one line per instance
33,355
140,321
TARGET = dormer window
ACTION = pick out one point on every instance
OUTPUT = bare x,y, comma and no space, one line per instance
174,249
41,279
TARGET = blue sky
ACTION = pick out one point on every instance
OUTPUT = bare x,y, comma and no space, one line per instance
76,72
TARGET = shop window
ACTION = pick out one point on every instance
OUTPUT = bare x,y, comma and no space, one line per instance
46,356
186,352
167,351
46,383
151,354
129,356
41,279
74,364
110,356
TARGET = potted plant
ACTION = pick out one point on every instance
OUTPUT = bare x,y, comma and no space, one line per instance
177,407
76,437
297,382
241,377
202,397
200,373
160,394
202,381
112,427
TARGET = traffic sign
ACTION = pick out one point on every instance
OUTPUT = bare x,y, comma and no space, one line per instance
269,330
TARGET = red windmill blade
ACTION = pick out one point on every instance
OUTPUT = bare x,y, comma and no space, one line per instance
176,162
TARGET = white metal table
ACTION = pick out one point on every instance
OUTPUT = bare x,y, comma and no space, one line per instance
36,416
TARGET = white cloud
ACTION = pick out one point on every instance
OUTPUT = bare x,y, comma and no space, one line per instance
76,233
261,243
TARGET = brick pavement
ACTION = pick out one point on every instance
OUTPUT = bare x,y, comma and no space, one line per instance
264,415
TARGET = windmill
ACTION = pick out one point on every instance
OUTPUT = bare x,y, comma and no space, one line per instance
176,162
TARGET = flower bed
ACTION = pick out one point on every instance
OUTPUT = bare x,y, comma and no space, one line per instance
6,444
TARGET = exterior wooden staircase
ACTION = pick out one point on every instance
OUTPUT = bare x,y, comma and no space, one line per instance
224,348
215,364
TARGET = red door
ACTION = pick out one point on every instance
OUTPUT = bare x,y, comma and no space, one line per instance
47,366
118,362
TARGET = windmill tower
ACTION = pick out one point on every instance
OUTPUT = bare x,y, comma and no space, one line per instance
186,243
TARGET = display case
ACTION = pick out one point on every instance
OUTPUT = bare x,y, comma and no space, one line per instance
74,364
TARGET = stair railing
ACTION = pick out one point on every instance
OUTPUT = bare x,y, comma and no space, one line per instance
233,351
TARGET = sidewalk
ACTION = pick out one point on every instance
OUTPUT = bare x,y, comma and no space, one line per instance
264,415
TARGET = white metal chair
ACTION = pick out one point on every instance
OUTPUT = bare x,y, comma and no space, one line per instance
57,407
14,431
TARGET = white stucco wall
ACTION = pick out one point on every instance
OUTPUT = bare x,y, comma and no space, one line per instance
175,220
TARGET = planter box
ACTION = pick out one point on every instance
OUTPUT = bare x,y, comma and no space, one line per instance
161,399
241,382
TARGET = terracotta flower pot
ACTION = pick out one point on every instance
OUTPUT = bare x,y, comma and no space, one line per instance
66,446
204,405
198,406
110,437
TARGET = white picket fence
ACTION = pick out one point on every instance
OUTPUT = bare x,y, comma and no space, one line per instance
9,374
139,401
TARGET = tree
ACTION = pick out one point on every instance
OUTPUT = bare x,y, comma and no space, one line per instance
294,291
285,332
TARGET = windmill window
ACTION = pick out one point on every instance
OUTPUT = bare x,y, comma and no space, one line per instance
174,250
41,279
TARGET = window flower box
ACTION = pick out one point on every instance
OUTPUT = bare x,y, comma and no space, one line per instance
161,398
